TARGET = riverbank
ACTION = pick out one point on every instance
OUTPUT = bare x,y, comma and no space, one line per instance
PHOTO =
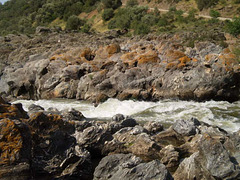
65,145
95,68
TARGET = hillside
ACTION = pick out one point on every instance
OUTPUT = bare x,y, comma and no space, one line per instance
23,16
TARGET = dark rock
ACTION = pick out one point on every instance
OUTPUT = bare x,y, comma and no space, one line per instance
77,165
73,115
34,108
118,117
119,121
93,139
128,166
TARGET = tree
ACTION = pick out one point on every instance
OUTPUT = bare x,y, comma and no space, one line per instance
74,23
107,14
205,3
132,3
114,4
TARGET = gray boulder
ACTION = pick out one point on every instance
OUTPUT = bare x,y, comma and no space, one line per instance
128,166
186,127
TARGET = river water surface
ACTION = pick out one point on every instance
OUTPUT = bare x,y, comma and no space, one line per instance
221,113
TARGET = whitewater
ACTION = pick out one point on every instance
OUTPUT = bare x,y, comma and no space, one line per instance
220,113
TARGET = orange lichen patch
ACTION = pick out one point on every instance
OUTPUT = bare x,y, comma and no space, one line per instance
10,111
194,60
64,57
112,49
149,57
226,51
129,56
55,57
171,65
174,55
10,142
184,59
87,54
181,65
228,59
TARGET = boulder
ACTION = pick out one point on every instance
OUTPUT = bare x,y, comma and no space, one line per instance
93,139
128,166
153,127
73,115
133,140
186,128
15,150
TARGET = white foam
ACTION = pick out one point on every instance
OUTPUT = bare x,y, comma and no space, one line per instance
223,114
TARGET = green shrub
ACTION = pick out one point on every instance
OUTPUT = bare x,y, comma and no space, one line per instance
107,14
214,14
205,3
141,28
86,28
132,3
234,26
114,4
74,23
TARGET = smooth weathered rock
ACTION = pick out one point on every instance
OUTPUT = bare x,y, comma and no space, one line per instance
128,166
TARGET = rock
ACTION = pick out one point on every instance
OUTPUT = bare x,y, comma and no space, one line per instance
170,157
77,166
93,138
118,117
128,166
186,128
73,115
133,140
190,168
15,150
216,159
34,108
14,111
153,127
41,29
212,161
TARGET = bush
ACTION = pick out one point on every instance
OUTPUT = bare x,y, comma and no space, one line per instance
107,14
74,23
141,28
214,14
86,28
234,26
205,3
132,3
114,4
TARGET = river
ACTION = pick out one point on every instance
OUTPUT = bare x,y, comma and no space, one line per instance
221,113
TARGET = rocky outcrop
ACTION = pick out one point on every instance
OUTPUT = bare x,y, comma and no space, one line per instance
64,145
150,68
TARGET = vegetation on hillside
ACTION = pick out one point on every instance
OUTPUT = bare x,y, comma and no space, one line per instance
23,16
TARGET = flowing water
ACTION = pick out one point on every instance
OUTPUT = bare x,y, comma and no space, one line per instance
220,113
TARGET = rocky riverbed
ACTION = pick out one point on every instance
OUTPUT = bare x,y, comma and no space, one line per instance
52,144
98,67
